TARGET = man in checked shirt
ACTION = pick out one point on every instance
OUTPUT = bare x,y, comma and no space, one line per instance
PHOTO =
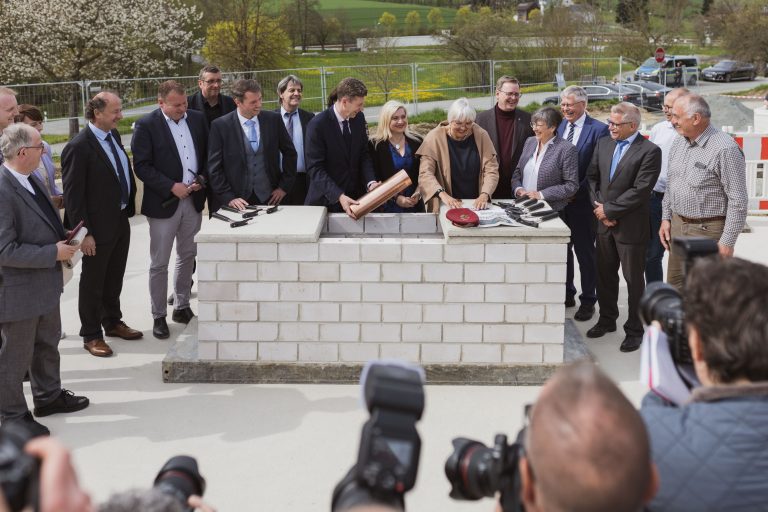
706,184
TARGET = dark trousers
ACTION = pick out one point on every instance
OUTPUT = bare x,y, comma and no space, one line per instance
30,344
578,216
631,257
101,283
298,192
654,252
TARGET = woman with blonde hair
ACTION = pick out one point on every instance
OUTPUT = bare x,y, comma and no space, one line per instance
458,161
393,148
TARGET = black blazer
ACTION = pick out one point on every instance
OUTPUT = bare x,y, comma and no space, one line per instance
626,198
333,170
196,102
591,132
384,168
227,161
92,187
158,164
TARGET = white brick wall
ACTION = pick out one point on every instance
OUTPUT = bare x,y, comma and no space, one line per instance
405,294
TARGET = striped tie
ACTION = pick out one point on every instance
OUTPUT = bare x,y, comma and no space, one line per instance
572,129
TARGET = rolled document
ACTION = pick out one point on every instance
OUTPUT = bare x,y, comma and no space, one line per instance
75,239
381,194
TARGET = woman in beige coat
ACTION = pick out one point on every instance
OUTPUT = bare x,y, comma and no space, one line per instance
458,161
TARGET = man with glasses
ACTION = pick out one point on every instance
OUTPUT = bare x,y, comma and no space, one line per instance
663,134
9,109
582,131
622,173
32,247
508,127
585,447
209,99
706,184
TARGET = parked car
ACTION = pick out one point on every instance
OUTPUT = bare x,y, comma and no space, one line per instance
727,70
604,92
666,73
652,93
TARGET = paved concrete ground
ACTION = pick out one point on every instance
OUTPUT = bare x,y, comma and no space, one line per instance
270,447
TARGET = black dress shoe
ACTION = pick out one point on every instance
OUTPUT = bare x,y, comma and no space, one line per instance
67,401
170,300
570,301
599,330
631,343
182,316
160,328
585,312
28,423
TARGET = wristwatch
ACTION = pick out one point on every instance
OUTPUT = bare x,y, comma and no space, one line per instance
439,191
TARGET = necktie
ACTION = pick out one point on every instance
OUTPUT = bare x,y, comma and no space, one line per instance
289,126
253,138
571,130
347,134
120,171
620,144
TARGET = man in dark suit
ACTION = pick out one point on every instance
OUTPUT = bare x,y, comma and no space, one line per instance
32,248
508,127
244,153
622,173
169,152
289,92
338,162
101,192
582,131
209,99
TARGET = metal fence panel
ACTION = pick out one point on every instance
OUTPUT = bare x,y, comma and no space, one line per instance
451,80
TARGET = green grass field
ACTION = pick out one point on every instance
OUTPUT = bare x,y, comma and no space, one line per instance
365,13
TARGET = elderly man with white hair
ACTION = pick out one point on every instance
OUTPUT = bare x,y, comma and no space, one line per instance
623,171
458,161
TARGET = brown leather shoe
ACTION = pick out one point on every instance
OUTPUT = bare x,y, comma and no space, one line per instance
120,330
98,348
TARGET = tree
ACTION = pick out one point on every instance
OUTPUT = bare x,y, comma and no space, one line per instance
413,22
69,40
388,22
297,18
326,28
751,21
435,19
257,42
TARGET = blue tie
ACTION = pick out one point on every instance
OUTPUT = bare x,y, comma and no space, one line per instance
124,194
253,138
617,156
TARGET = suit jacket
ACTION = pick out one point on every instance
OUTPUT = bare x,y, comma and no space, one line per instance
196,102
625,198
590,133
227,165
487,120
92,187
333,170
30,277
158,164
558,173
305,117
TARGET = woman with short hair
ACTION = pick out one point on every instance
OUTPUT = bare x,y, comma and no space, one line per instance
46,173
458,161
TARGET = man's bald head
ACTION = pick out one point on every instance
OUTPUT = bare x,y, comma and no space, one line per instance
587,447
671,97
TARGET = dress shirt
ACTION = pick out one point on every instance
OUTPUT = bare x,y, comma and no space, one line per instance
623,152
340,119
185,147
663,134
531,169
101,136
576,131
23,179
246,129
297,136
707,178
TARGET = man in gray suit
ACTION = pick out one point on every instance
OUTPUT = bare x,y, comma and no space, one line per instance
31,283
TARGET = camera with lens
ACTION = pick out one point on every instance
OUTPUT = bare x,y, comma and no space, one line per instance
388,457
663,303
19,472
476,471
180,479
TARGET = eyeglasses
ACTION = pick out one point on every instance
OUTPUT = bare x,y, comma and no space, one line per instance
666,107
540,126
510,94
611,124
213,82
41,147
570,105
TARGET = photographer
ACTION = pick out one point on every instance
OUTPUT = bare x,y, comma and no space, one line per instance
712,452
585,448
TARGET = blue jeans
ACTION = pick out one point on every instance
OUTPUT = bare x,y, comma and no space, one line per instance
654,252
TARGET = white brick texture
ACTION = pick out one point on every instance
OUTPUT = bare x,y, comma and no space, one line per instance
544,293
237,271
257,331
339,249
207,351
401,312
484,273
356,312
318,352
422,333
238,351
340,292
238,311
503,333
341,223
380,332
258,291
382,223
402,351
340,332
524,313
358,352
463,333
217,331
423,251
401,272
525,273
443,313
279,311
297,252
319,312
280,271
443,272
481,353
486,313
382,249
206,311
318,271
464,293
206,271
294,292
464,252
522,354
382,292
544,333
441,353
556,273
278,352
217,291
546,253
505,253
298,331
507,293
553,354
361,272
256,252
555,313
209,251
421,223
423,292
